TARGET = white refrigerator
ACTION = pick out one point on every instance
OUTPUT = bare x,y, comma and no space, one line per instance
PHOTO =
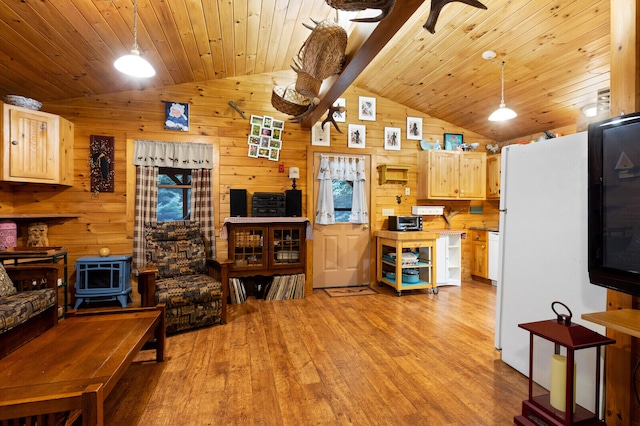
543,253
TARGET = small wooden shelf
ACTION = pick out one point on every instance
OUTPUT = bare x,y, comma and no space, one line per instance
394,173
623,320
41,216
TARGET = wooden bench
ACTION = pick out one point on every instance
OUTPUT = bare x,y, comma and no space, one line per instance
73,367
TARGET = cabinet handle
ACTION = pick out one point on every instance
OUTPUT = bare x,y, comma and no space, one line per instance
14,142
483,247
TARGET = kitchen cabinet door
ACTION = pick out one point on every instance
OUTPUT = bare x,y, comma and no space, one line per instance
473,175
493,176
37,147
451,175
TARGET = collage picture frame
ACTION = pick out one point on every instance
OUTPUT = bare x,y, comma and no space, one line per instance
265,137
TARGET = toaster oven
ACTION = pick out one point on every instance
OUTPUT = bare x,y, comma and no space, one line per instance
405,223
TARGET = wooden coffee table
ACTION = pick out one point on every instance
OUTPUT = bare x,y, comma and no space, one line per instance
77,363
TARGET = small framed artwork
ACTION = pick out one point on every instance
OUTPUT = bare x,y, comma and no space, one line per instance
452,141
392,138
414,128
367,108
264,141
176,116
256,120
255,130
274,154
254,140
266,131
263,152
340,117
277,124
275,144
357,136
267,121
319,136
276,134
253,150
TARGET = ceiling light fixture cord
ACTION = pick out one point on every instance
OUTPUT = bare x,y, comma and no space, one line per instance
502,101
135,25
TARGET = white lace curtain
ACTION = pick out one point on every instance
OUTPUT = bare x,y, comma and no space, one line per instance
351,169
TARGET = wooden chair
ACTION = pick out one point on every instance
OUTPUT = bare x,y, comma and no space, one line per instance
178,274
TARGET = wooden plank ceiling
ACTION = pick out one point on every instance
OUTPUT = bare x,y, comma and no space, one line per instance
556,53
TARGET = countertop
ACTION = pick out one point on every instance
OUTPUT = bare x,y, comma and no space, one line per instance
481,228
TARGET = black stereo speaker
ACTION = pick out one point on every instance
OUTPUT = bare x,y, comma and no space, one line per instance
238,201
294,202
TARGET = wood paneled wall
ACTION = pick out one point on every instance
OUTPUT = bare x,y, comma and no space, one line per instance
105,219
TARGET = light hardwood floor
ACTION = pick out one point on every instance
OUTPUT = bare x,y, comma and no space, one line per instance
419,359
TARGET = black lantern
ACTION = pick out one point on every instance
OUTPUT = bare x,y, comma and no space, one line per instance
558,407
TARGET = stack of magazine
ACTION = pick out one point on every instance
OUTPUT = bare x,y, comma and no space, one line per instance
237,291
284,287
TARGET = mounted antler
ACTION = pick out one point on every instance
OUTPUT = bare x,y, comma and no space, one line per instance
436,7
331,118
385,7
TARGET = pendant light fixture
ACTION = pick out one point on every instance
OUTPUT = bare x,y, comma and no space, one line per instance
502,113
133,64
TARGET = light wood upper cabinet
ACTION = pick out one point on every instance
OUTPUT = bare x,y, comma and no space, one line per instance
37,147
493,176
451,175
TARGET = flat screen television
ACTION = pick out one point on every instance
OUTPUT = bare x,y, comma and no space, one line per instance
614,203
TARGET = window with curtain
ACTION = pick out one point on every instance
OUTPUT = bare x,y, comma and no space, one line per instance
161,164
338,177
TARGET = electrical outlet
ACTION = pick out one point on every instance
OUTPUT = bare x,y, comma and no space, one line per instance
407,191
388,212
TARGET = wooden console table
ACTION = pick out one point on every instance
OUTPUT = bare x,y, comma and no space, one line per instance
76,364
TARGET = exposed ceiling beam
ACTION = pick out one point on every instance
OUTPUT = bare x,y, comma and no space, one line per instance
360,52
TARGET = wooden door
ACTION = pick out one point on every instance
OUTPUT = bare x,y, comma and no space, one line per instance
32,154
443,182
473,176
493,176
341,252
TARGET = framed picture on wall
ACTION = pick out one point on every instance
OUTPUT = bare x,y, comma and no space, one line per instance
414,128
357,136
392,138
176,116
367,108
452,141
340,117
320,137
253,150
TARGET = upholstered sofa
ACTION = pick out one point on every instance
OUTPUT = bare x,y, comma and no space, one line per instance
28,303
178,274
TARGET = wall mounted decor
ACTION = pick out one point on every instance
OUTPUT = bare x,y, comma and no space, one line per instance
176,116
265,137
101,163
320,136
367,108
357,136
452,141
392,138
414,128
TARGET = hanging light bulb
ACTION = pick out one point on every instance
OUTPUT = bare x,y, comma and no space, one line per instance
134,64
502,113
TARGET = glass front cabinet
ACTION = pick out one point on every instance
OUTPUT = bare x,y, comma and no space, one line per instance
267,249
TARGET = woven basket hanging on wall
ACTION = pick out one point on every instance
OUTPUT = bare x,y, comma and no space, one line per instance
322,55
289,101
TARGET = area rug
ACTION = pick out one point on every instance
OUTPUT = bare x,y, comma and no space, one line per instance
350,291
